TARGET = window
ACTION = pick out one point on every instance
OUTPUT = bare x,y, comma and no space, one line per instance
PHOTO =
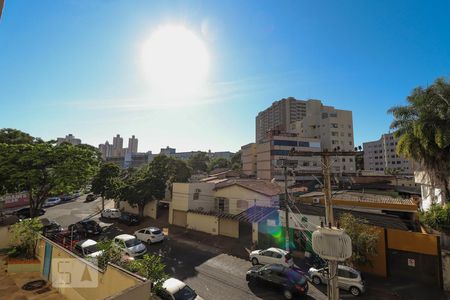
350,143
334,133
268,253
324,115
285,143
350,159
303,144
279,152
334,125
196,195
276,255
342,134
349,135
343,159
333,115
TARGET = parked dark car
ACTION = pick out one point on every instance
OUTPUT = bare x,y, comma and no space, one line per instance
91,197
24,213
86,227
65,238
281,277
129,219
50,227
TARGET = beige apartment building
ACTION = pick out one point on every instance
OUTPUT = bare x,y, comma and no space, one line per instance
267,163
381,156
311,119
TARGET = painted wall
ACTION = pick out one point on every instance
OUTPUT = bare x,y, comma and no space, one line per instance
110,282
204,223
412,241
229,228
149,210
4,237
235,193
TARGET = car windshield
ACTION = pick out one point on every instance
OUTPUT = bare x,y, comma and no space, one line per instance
90,223
295,277
132,242
185,293
91,249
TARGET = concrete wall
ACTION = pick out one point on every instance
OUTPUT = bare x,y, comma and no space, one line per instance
111,282
4,237
149,210
446,269
204,223
229,228
179,218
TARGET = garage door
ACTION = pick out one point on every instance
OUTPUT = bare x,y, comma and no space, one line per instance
229,228
179,218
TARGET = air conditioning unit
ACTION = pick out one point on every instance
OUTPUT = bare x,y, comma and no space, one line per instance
316,200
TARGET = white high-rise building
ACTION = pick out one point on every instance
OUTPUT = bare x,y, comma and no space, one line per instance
132,145
70,138
117,146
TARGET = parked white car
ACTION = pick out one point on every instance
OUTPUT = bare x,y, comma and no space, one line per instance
130,245
111,213
348,279
87,248
271,256
174,289
150,235
52,201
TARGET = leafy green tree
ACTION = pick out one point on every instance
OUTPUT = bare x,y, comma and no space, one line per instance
107,182
24,237
236,162
364,239
169,170
199,162
14,136
423,129
45,169
110,254
219,162
150,267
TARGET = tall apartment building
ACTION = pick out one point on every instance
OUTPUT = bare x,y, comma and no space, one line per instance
106,150
279,116
117,146
132,145
263,159
70,138
381,156
311,119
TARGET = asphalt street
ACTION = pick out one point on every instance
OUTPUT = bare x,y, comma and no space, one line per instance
213,275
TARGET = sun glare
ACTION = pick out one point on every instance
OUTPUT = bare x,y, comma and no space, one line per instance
176,62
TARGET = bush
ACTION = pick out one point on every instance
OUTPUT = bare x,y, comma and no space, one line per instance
437,217
24,237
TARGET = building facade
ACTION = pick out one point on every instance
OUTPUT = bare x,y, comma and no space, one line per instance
311,119
264,159
70,138
381,156
132,145
172,152
117,146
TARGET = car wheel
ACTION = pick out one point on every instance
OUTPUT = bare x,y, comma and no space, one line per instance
287,294
255,261
355,291
316,280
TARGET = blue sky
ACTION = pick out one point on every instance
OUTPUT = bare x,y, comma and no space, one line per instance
72,66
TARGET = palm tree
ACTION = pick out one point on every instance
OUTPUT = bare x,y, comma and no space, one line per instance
423,129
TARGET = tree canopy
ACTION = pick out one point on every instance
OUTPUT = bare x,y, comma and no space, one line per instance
199,162
364,239
218,162
423,129
14,136
45,169
107,182
236,162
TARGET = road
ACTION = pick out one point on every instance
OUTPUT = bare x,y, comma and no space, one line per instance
213,275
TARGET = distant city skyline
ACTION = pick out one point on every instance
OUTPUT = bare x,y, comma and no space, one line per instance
82,67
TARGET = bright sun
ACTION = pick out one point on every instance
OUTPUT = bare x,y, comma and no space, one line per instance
175,61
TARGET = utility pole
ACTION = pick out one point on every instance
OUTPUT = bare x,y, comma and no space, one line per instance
332,287
286,203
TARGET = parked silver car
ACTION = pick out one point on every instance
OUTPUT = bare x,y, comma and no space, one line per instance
348,279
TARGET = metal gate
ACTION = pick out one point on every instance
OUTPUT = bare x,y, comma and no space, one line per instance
415,266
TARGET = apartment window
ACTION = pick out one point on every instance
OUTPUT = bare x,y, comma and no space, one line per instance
303,144
334,133
350,159
306,163
334,125
285,143
196,195
349,126
324,115
335,142
221,204
343,159
279,152
349,135
350,143
333,115
399,162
